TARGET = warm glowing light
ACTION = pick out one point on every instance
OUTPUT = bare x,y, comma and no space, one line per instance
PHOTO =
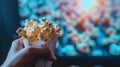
87,4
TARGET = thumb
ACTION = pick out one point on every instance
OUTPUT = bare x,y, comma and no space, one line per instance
17,45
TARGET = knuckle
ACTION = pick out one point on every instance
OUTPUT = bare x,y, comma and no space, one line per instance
30,50
48,51
14,42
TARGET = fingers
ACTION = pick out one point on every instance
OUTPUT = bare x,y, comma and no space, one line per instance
52,57
41,53
17,45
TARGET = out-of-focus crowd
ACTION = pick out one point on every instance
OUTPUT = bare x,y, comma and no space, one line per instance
93,31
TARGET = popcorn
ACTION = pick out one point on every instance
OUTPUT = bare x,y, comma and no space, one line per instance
41,33
97,53
101,24
110,31
71,49
44,30
114,49
82,47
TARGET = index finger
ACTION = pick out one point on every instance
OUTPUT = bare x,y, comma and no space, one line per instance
43,52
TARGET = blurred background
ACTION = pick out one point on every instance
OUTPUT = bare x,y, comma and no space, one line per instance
90,29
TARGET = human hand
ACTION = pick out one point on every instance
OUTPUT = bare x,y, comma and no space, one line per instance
20,56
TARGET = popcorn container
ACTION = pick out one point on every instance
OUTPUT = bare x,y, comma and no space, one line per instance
41,35
44,62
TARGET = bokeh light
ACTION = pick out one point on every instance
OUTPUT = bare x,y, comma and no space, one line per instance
87,5
89,27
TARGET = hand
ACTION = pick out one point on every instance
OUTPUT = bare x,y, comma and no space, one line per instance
20,56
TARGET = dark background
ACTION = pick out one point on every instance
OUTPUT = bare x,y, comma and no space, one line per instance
9,22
